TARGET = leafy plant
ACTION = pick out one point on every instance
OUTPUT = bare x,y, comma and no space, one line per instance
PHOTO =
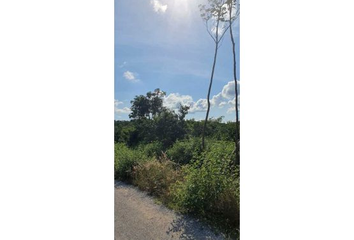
182,152
153,149
124,161
211,185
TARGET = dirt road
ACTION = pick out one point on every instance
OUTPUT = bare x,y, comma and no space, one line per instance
137,217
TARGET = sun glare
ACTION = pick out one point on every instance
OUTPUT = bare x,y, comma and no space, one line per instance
181,8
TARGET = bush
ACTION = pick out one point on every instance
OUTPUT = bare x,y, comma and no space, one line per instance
156,177
211,185
228,203
182,152
124,161
169,128
153,149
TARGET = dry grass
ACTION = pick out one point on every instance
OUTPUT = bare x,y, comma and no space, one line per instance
156,177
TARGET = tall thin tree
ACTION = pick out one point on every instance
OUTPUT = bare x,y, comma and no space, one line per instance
234,5
214,13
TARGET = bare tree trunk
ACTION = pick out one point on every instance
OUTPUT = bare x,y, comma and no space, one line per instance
211,80
208,96
235,79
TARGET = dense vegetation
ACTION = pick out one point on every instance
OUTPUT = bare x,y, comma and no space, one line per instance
161,152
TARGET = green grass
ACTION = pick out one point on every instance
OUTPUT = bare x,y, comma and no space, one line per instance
207,187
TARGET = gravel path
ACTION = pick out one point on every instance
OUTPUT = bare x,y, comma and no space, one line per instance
137,217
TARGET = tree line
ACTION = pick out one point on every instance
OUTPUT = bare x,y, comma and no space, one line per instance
151,121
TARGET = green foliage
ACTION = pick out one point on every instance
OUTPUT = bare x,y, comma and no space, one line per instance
140,107
147,106
124,161
211,185
144,132
182,111
207,186
168,127
153,149
123,130
161,153
182,152
151,121
156,101
215,129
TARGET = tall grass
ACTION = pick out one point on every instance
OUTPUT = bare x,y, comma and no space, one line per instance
205,183
124,161
210,186
156,177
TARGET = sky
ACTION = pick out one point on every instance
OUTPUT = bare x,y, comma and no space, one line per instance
164,44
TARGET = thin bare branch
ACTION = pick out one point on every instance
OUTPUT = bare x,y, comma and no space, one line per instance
220,44
222,35
207,28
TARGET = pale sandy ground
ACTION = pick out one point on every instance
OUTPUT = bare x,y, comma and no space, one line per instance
137,217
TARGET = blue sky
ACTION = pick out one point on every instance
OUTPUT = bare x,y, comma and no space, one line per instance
164,44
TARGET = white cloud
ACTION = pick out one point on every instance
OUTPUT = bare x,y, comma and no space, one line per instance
123,110
130,76
116,103
217,100
200,106
222,104
120,110
158,7
221,29
174,100
226,97
232,105
222,99
228,91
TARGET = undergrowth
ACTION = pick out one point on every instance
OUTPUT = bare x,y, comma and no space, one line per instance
201,183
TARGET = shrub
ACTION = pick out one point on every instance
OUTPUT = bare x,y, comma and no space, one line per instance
228,203
211,185
169,128
153,149
156,177
124,161
182,152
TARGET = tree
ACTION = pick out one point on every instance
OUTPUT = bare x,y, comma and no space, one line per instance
156,102
234,5
214,13
183,111
140,107
147,106
152,121
169,127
